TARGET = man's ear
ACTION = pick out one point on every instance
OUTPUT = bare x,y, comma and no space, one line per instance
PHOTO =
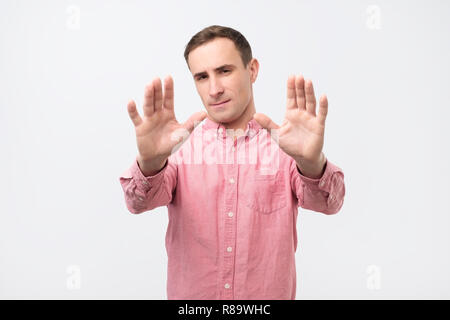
254,67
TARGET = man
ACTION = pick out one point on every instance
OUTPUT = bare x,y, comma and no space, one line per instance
232,193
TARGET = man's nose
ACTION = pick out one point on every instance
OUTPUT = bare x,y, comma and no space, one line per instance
215,87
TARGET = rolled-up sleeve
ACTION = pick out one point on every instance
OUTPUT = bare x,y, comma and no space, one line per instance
146,193
325,194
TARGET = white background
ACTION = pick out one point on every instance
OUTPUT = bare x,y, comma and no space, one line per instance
68,68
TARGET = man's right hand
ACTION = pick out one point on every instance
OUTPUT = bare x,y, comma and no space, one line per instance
158,132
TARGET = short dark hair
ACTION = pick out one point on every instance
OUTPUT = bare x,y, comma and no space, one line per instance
215,31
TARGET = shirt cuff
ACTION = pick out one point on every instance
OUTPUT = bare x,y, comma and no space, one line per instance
324,182
146,183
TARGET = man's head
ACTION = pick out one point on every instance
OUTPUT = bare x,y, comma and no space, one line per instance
220,60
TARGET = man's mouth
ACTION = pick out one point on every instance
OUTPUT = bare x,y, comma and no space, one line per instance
220,103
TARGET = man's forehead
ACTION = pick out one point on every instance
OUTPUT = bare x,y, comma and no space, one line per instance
213,55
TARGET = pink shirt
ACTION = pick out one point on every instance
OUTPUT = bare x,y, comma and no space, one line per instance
232,213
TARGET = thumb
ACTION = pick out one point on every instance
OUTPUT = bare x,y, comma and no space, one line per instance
265,121
194,120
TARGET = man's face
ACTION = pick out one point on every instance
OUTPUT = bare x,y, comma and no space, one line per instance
220,75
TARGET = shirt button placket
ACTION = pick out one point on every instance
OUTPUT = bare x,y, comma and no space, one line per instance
229,217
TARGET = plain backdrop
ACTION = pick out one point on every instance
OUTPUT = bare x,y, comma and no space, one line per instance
68,68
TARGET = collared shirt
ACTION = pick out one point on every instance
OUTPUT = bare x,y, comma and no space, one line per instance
233,206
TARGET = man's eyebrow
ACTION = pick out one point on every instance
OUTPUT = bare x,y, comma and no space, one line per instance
231,66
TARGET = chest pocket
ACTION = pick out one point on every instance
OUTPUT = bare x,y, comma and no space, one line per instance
266,192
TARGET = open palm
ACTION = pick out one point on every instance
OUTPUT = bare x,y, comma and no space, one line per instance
301,134
158,132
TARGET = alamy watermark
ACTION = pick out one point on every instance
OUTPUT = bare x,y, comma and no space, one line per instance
373,21
206,147
374,277
73,281
73,17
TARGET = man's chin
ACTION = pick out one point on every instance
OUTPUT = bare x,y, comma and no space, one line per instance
219,117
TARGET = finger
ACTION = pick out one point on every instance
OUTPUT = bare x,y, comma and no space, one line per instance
265,121
310,97
132,112
149,103
194,120
300,92
168,93
158,94
291,99
323,109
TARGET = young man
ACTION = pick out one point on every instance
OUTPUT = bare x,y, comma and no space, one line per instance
232,185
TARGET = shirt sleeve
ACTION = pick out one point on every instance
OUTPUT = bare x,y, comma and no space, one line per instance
146,193
324,194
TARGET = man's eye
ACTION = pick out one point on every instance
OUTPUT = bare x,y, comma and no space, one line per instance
203,77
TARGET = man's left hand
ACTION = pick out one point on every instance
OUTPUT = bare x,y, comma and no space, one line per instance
302,133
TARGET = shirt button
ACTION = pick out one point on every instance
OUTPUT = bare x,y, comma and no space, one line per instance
231,180
331,197
230,214
140,198
322,183
229,249
227,286
145,182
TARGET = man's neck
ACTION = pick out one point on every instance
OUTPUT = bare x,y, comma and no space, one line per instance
242,121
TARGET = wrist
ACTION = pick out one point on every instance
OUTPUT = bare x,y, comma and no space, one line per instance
310,168
150,167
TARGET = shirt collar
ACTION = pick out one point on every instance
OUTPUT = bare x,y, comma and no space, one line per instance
252,129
